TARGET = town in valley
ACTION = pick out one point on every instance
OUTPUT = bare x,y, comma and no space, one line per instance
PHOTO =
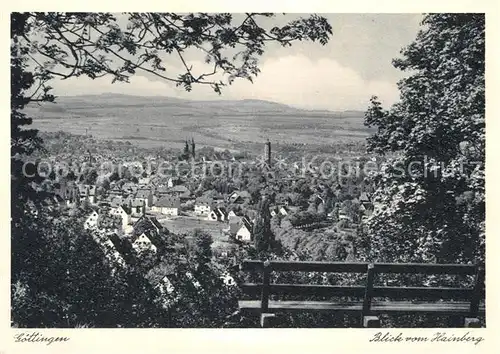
218,170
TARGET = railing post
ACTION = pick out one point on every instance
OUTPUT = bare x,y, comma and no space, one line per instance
476,293
472,322
267,320
366,320
264,300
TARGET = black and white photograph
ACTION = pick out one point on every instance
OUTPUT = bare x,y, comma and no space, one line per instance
247,170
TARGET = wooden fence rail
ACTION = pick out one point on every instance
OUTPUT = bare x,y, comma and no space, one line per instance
471,302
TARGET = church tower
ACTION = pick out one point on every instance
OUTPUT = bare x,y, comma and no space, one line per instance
267,152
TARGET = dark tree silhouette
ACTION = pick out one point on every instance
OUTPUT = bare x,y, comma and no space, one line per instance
263,236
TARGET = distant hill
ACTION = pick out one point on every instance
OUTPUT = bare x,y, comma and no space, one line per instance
171,105
168,121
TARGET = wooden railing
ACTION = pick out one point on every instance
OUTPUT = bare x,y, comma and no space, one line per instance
464,301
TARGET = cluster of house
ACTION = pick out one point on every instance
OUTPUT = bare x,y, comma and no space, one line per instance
119,250
129,201
282,210
146,235
365,208
136,198
142,235
144,196
166,282
240,225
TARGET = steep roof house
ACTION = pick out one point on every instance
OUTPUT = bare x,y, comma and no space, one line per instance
91,221
245,231
110,251
165,286
144,195
284,210
146,222
223,212
203,205
173,181
143,243
181,191
366,202
88,192
167,205
136,206
217,214
214,215
234,197
240,228
124,213
239,196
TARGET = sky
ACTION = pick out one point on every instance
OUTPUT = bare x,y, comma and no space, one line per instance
342,75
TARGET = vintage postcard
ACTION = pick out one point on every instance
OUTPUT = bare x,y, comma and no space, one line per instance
229,180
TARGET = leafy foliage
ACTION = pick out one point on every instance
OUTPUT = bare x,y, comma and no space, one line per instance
98,44
431,193
67,280
59,274
306,217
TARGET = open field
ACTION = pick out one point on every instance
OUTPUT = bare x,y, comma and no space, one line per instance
163,121
186,225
